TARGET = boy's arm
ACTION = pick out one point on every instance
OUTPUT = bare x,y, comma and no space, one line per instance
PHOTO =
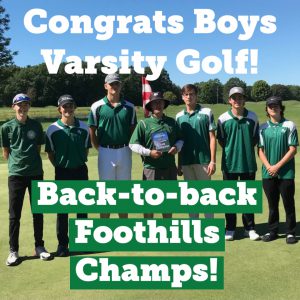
5,152
93,136
51,157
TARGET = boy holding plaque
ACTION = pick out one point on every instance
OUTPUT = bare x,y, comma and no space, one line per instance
157,139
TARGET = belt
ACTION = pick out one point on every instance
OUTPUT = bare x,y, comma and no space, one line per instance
114,146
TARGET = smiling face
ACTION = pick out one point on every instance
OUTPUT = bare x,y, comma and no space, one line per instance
67,110
21,110
237,101
113,89
274,111
157,107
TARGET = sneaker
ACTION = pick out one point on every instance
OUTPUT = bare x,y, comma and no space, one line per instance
269,237
291,239
229,234
13,258
252,235
42,253
62,251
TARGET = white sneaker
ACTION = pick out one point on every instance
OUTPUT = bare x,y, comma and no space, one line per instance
13,258
42,253
252,235
229,234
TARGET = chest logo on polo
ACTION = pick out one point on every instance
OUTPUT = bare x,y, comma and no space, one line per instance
31,134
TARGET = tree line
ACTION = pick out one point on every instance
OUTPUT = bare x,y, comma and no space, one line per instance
44,88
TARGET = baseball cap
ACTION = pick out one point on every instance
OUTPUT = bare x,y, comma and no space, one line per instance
236,90
112,78
64,99
276,100
21,98
157,96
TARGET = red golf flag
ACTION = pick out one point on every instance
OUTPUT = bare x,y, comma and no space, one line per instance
146,92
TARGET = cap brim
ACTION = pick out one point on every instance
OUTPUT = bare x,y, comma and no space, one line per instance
109,82
66,102
167,102
19,101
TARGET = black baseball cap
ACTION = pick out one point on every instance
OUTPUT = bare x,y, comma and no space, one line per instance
276,100
64,99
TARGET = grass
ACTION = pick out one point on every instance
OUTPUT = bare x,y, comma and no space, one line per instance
253,270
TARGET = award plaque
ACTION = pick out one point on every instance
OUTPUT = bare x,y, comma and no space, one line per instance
161,141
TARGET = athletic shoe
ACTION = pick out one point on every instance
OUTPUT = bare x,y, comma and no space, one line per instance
13,258
269,237
229,234
252,235
62,251
291,239
42,253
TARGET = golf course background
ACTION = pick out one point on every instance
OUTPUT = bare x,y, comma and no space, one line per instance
253,270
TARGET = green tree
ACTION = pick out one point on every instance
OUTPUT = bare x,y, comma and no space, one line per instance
232,82
294,92
170,96
210,92
6,55
248,93
281,90
260,90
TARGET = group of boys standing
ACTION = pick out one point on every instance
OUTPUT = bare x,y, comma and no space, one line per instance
113,130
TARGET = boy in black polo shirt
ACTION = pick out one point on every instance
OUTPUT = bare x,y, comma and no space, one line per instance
21,139
67,144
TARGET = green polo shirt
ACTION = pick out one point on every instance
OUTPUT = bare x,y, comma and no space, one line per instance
238,137
143,134
275,139
195,128
23,140
69,143
113,123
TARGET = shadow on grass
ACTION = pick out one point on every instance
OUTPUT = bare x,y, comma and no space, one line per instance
263,228
53,256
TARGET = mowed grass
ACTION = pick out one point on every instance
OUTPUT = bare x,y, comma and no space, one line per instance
253,270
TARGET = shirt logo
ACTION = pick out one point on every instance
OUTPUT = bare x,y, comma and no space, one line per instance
31,134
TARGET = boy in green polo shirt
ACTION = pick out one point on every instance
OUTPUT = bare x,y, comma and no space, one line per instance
67,145
237,134
157,139
197,159
112,121
277,147
21,139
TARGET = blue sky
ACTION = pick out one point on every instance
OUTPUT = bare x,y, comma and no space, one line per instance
278,53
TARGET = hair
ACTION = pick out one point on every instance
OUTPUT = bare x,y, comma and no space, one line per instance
282,108
188,87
